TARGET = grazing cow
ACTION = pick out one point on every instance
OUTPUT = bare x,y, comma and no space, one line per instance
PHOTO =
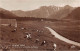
37,30
44,42
23,28
37,40
40,31
54,46
14,30
28,36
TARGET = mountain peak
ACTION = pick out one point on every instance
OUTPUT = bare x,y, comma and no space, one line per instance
67,6
75,14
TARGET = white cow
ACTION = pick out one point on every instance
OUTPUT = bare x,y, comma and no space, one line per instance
54,46
28,36
44,42
23,28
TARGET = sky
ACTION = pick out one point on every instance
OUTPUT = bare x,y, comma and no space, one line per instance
26,5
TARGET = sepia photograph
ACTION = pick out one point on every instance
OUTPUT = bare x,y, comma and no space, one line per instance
39,25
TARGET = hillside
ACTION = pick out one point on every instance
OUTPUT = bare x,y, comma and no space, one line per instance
53,12
62,12
6,14
74,15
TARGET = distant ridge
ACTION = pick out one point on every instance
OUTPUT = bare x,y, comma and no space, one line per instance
52,12
48,12
6,14
42,12
74,15
63,12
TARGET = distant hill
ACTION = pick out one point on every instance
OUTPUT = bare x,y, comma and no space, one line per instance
62,12
6,14
52,12
42,12
74,15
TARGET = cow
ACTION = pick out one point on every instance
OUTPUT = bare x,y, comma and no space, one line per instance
44,42
54,46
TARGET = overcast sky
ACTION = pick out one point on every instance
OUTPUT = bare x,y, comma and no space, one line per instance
33,4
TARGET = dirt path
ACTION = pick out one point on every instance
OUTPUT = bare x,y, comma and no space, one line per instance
63,38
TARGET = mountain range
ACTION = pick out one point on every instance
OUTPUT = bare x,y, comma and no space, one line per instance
52,12
49,12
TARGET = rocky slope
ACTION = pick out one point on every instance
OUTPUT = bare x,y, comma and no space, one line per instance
6,14
74,15
62,12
